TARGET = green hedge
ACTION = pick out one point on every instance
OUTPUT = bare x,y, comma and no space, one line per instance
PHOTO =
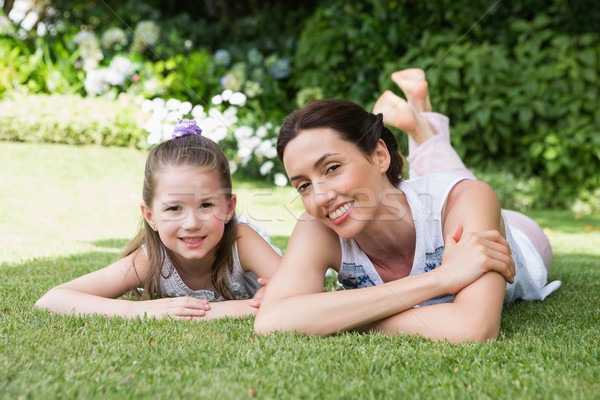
71,120
531,109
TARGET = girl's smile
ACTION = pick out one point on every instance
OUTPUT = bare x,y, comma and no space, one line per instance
193,242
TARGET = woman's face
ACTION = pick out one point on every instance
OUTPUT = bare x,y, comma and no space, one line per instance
338,184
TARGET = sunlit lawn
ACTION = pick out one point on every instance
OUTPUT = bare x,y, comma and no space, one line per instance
68,210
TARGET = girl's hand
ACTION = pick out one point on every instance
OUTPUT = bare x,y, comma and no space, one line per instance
467,257
175,307
258,296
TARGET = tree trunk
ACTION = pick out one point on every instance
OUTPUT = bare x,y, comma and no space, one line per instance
7,6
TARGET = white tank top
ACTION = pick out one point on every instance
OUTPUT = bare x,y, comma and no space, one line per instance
426,198
243,284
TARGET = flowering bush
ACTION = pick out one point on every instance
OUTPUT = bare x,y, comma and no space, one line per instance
251,151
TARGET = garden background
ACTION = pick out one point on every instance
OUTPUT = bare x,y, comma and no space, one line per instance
87,87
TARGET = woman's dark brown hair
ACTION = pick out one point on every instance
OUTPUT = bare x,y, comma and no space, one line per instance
351,122
190,151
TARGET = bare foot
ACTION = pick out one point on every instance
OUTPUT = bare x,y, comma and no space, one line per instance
402,115
415,87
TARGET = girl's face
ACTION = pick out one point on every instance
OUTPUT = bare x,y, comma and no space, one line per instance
189,210
339,185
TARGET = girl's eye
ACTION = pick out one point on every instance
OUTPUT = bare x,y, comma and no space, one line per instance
174,208
206,205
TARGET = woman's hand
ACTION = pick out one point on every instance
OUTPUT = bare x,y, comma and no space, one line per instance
174,307
468,256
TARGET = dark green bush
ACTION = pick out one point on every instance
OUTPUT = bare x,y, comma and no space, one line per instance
344,45
71,120
531,110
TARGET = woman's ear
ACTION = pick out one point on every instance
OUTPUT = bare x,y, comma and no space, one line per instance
147,214
381,156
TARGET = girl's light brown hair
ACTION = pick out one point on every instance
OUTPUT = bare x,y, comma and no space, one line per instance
189,151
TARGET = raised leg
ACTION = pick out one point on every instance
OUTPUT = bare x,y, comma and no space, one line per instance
430,150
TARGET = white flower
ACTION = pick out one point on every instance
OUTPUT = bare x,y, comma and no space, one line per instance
238,99
213,129
123,65
252,142
261,131
173,104
158,102
263,148
215,113
114,78
266,149
217,134
266,167
244,153
174,116
226,94
167,131
280,179
233,166
222,57
147,106
185,107
94,81
198,112
147,32
153,127
243,132
154,138
229,116
160,114
217,100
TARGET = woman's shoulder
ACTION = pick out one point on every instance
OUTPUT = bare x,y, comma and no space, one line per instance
430,193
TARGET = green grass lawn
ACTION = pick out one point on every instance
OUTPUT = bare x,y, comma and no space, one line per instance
67,210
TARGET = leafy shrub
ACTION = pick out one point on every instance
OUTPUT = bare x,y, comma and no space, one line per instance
38,66
530,110
71,120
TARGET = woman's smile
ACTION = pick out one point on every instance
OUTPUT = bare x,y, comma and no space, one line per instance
340,213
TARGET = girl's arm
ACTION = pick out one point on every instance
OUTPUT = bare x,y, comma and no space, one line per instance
294,299
476,310
97,292
256,255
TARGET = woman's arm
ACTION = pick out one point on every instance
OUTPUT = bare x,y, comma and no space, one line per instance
476,310
294,299
97,292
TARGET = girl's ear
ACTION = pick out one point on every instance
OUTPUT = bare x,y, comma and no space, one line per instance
231,207
147,214
381,156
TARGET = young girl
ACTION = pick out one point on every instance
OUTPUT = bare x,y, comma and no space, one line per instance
191,248
430,256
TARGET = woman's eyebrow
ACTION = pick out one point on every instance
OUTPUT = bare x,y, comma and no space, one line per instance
321,159
316,164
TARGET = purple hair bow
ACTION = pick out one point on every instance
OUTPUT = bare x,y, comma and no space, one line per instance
186,127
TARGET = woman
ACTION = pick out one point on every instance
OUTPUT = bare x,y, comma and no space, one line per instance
381,234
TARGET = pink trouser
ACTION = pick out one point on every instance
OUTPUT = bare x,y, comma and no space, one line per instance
438,155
